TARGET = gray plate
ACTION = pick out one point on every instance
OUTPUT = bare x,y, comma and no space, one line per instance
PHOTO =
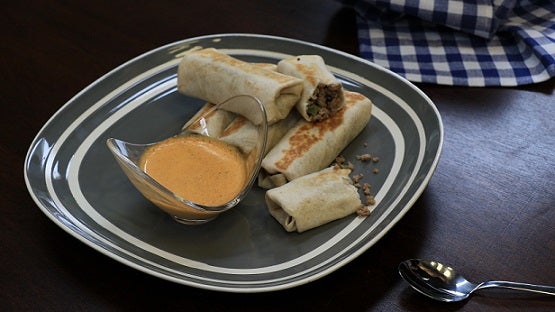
75,181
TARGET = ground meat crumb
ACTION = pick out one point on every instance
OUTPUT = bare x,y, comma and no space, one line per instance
363,211
375,159
357,185
339,160
356,178
370,200
365,144
366,189
341,163
376,171
364,157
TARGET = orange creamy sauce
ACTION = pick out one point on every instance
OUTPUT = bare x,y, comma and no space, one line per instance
203,170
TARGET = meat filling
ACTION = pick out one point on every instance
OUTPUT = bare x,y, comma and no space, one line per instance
325,101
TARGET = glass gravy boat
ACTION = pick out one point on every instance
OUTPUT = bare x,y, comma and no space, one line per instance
239,121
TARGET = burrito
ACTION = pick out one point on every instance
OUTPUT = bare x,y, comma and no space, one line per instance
312,146
314,199
214,76
215,122
322,94
268,66
240,132
244,131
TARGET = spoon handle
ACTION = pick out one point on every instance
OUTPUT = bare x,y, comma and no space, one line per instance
542,289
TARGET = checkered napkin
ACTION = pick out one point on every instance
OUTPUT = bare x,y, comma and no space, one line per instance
460,42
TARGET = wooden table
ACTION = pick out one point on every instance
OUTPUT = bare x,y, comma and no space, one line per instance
489,210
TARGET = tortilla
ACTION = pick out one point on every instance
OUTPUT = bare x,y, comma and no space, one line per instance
313,200
268,66
214,76
242,131
312,146
215,122
322,94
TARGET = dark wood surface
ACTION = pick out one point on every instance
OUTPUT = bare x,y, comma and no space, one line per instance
489,210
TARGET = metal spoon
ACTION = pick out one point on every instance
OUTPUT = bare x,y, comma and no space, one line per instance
441,282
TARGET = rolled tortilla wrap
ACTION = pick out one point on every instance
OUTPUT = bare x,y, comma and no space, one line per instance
268,66
313,200
322,94
218,120
280,128
242,130
312,146
215,123
214,76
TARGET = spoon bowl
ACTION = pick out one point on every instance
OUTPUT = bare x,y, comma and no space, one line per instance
440,282
208,122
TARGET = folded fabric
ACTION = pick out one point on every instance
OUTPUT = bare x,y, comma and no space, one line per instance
460,42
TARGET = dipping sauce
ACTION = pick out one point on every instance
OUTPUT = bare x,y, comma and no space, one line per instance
198,168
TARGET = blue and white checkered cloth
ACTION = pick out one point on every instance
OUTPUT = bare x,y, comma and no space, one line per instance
460,42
